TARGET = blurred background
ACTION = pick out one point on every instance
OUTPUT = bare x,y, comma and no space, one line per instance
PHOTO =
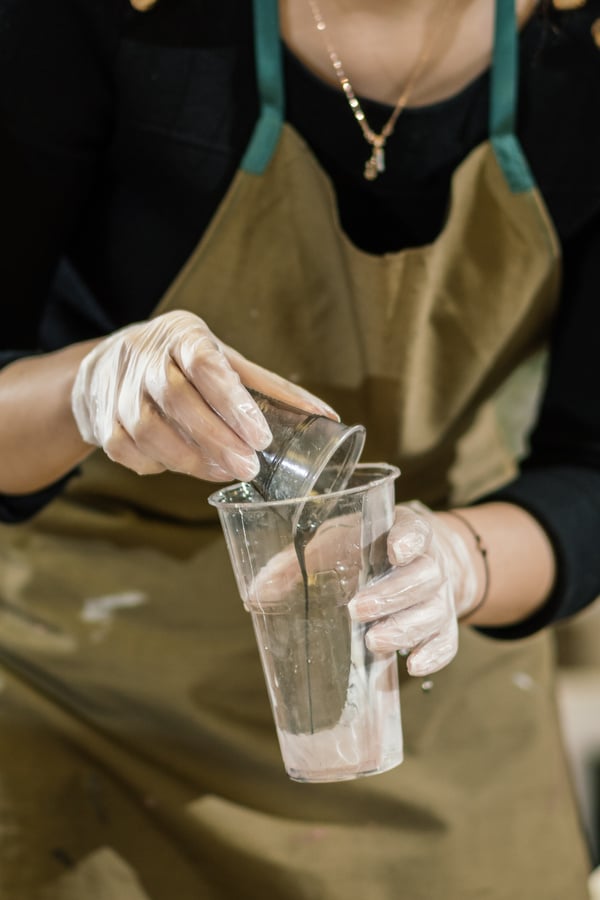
578,691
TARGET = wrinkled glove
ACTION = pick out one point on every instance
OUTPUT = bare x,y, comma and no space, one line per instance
167,394
415,607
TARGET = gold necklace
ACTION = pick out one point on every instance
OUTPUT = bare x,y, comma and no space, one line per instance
375,164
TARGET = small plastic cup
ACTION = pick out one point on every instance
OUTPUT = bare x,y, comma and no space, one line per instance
308,454
336,705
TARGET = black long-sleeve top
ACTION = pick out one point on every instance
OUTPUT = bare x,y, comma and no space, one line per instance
121,132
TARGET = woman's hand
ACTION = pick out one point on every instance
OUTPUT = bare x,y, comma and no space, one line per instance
167,394
416,606
434,578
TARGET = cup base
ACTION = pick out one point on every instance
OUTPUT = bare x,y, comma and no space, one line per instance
323,775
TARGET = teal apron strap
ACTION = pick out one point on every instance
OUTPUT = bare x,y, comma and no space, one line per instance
269,74
503,100
503,94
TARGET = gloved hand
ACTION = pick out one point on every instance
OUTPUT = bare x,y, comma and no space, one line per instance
415,607
167,394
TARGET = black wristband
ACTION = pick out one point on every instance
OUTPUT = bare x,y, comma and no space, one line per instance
484,555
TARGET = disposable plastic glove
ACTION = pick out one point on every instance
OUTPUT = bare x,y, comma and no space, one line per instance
167,394
415,607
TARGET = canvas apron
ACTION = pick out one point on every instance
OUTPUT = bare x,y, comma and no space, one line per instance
138,758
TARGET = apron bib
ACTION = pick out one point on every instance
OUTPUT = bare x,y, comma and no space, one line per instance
139,757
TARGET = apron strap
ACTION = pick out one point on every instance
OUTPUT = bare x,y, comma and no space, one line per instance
269,74
504,98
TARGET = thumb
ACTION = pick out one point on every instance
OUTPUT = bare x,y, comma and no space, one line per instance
410,535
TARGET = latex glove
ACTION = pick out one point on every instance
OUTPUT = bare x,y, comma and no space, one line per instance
415,607
167,394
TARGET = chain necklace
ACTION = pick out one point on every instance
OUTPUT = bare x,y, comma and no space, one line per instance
375,164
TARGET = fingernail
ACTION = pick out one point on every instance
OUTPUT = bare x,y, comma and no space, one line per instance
246,468
330,412
325,408
320,407
363,608
262,435
407,547
375,644
371,641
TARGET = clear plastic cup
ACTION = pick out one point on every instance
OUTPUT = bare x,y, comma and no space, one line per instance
298,563
308,454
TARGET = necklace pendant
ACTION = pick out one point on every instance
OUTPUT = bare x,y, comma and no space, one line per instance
375,164
370,172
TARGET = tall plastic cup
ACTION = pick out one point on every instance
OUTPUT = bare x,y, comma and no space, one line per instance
297,564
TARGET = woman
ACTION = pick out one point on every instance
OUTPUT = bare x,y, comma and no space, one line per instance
367,208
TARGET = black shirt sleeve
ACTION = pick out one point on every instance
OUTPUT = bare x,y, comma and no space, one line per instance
55,125
55,121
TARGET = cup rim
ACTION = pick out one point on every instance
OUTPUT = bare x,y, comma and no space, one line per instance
307,477
386,471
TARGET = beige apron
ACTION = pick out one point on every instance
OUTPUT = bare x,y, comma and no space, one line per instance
138,758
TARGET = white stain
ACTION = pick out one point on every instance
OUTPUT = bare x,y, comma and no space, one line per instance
523,681
100,609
